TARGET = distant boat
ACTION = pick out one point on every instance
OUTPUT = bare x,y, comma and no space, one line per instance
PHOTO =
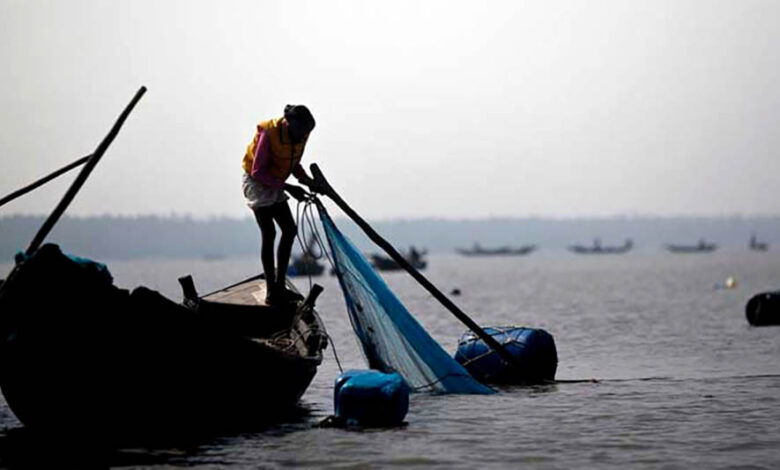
598,249
501,251
414,257
756,245
307,263
701,247
213,257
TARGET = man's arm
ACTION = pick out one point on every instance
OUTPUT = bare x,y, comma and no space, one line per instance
301,176
304,178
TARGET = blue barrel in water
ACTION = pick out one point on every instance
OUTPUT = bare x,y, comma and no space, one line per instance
534,349
371,398
764,309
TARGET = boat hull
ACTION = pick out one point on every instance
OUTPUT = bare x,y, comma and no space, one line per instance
300,267
76,351
386,264
601,250
686,249
505,251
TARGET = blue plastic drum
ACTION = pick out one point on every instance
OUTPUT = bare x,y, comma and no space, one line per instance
534,349
371,398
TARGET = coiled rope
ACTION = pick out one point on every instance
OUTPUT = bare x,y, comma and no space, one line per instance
305,213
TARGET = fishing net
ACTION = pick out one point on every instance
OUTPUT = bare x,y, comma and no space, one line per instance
392,340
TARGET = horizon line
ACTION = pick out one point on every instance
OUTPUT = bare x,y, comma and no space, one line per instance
225,216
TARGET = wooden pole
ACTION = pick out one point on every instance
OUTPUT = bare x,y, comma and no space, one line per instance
327,190
44,180
83,175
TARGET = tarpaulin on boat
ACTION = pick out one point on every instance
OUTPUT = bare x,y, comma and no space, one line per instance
392,340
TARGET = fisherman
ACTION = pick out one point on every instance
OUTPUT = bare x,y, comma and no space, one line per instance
272,156
414,255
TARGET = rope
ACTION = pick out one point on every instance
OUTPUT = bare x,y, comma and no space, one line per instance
307,216
498,330
430,385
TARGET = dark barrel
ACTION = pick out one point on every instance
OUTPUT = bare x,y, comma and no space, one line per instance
764,309
533,349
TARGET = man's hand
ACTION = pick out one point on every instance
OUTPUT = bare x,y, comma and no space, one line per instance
315,187
295,191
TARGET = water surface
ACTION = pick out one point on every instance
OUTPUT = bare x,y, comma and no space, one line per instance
680,379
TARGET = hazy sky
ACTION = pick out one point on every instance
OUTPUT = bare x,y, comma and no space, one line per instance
437,108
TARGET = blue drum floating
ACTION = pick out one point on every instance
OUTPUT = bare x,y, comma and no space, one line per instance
370,398
534,349
764,309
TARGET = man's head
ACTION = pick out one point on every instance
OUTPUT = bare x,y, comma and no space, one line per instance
299,121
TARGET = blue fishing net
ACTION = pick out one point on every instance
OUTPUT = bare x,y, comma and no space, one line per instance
392,340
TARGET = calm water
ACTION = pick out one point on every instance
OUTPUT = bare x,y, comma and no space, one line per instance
682,380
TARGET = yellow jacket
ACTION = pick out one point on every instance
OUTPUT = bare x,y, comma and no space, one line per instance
285,155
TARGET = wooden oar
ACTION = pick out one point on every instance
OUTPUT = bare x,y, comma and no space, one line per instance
82,176
327,190
44,180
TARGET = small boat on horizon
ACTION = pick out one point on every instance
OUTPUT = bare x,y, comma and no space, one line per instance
756,245
598,249
477,250
307,263
414,257
701,247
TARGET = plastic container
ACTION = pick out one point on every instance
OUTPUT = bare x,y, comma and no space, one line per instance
764,309
370,398
534,348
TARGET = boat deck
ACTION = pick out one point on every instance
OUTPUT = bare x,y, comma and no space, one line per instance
304,337
249,292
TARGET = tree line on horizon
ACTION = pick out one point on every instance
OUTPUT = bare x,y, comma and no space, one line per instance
122,237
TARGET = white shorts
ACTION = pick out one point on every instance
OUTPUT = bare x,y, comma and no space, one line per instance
258,195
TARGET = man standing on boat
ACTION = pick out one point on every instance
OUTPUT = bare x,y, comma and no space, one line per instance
272,156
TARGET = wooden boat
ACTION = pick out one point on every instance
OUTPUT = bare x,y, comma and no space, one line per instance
598,249
80,354
305,266
77,352
477,250
701,247
756,245
414,258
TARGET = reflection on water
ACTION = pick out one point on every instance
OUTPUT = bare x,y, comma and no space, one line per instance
24,447
681,379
